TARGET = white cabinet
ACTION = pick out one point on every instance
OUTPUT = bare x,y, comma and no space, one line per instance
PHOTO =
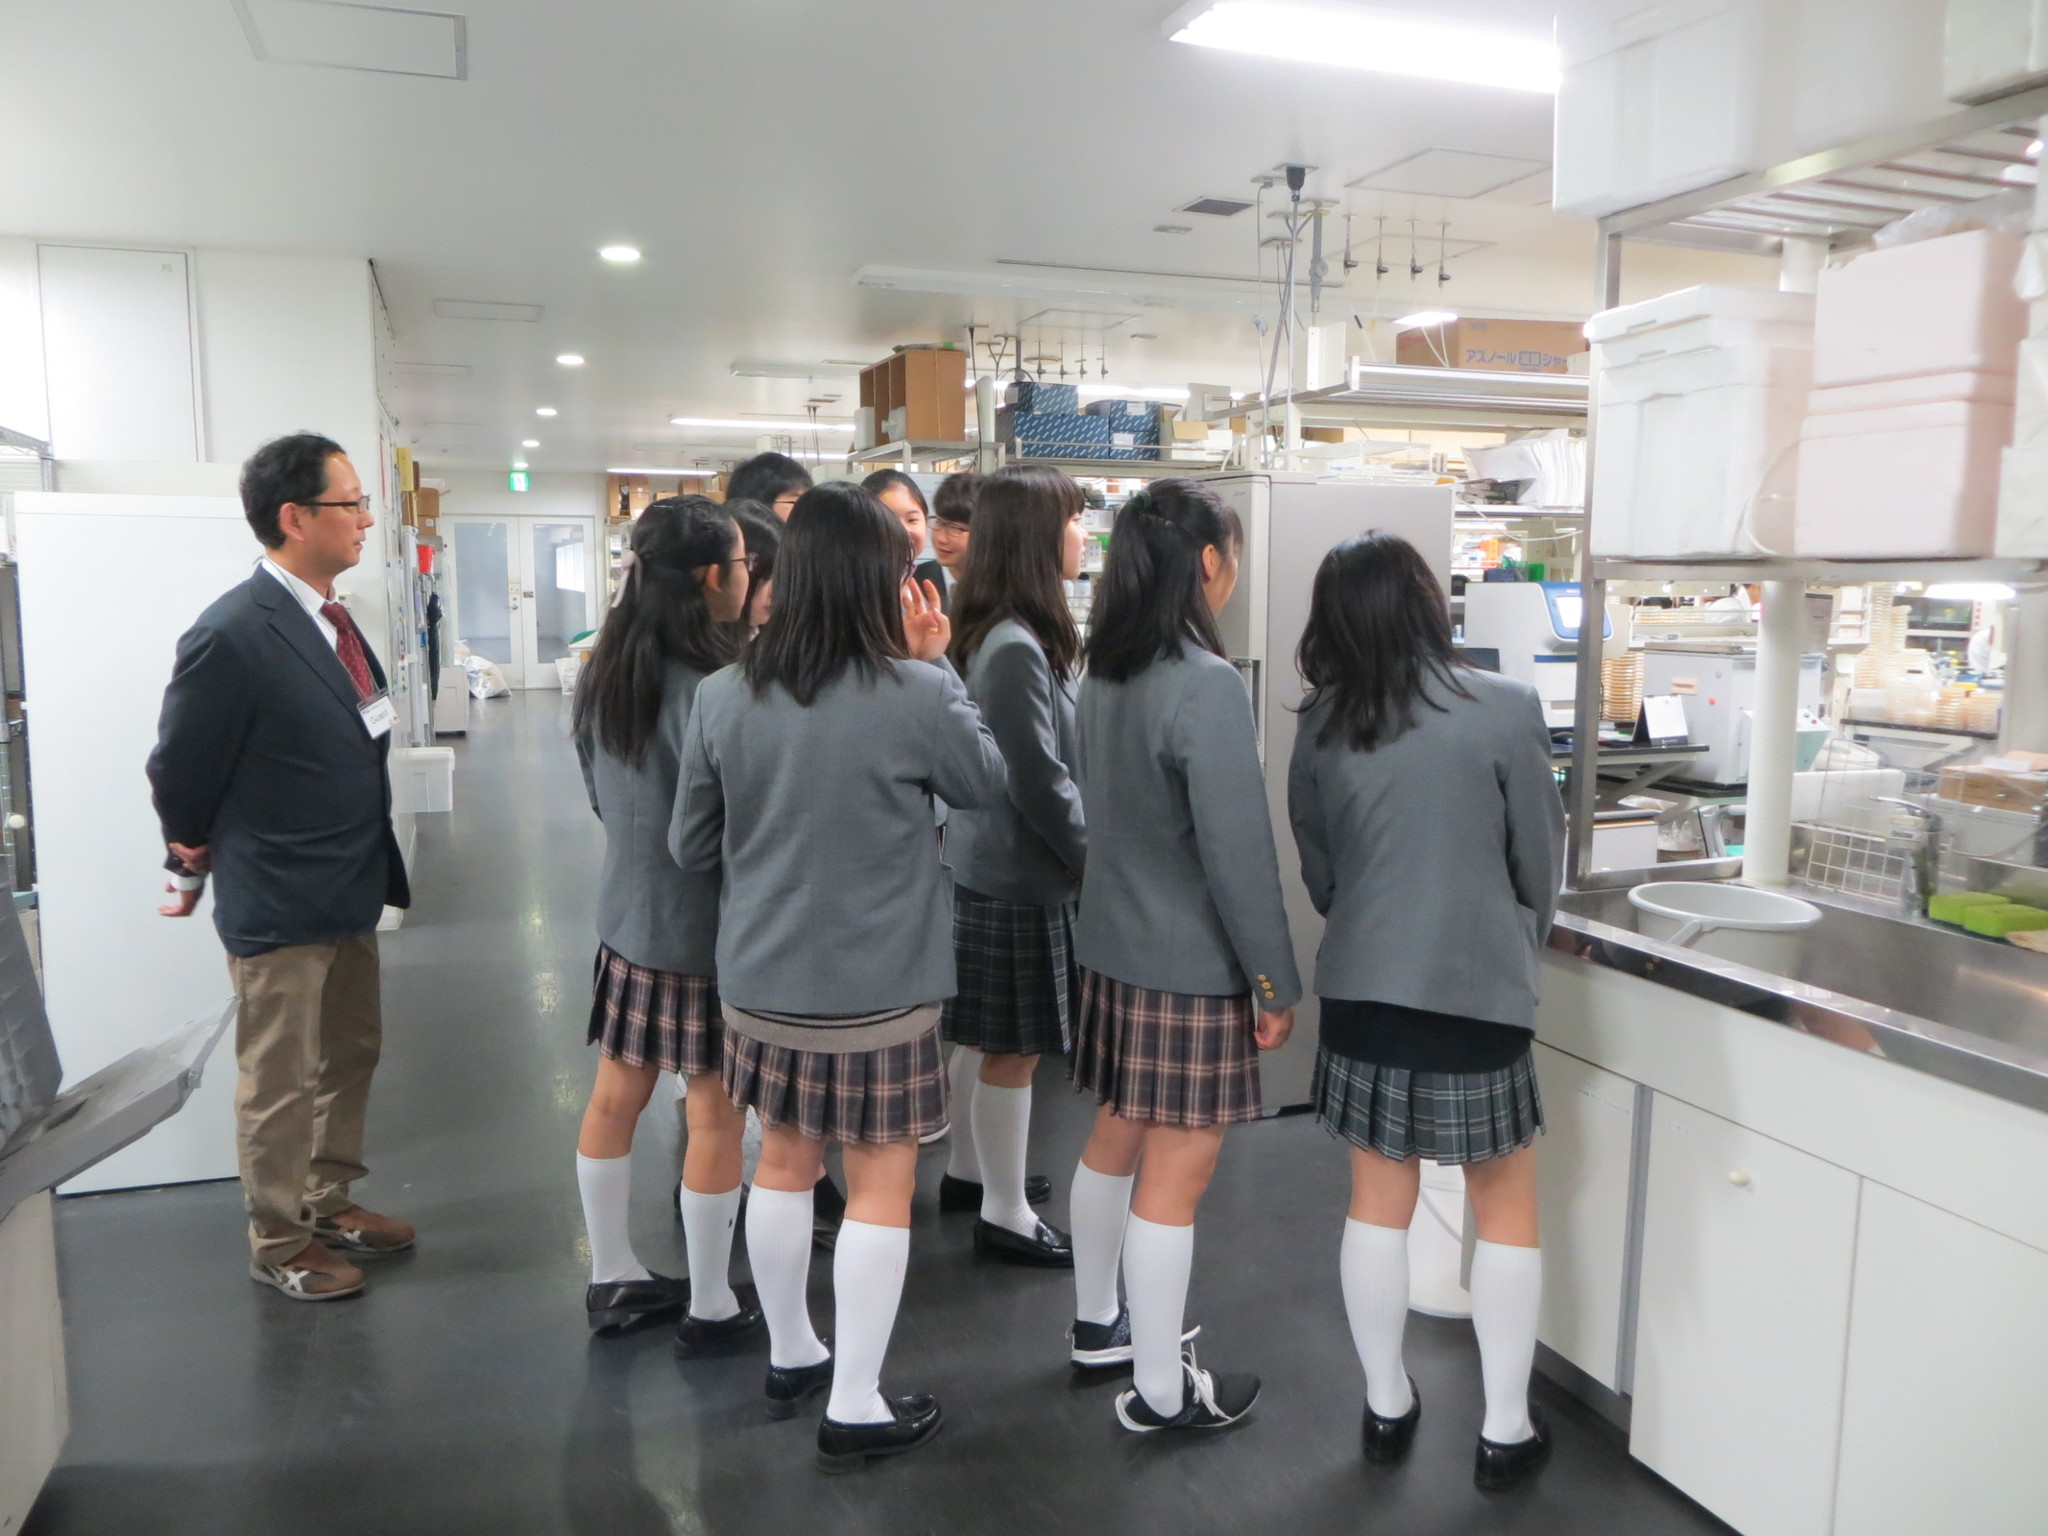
1582,1185
1748,1247
1943,1423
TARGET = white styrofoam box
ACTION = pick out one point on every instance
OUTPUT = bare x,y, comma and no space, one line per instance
1686,447
1934,306
422,779
1992,48
2023,504
2030,395
1709,315
1655,99
1916,389
1917,480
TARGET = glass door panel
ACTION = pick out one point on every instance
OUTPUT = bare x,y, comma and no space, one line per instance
560,593
482,554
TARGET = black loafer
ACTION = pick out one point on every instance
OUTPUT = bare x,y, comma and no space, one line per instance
789,1385
697,1336
620,1304
849,1447
1498,1466
965,1194
1047,1246
1388,1440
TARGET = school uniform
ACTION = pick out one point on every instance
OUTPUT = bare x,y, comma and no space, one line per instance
832,952
1017,860
1181,934
653,994
1435,860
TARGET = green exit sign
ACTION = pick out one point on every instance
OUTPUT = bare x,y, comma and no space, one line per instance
515,480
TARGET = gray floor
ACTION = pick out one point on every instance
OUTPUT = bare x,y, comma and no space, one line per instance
463,1394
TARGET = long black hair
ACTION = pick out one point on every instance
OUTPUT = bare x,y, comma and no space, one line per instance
763,530
1020,526
1150,601
661,618
1378,637
838,595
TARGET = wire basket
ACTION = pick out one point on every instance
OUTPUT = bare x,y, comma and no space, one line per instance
1845,859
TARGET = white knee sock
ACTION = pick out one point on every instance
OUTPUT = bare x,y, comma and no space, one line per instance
1507,1288
1156,1263
605,1184
1098,1206
707,1239
1374,1264
779,1252
963,1073
867,1283
1002,1127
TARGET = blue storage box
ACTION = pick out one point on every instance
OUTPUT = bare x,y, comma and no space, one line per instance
1138,451
1065,431
1122,408
1044,399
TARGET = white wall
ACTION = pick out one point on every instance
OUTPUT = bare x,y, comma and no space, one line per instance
116,975
483,494
24,404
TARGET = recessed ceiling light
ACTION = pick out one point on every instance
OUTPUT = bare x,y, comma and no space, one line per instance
786,424
530,442
1423,317
545,410
570,359
1386,42
519,463
622,254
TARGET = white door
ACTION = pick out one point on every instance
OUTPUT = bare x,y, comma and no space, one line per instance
523,589
1742,1332
1584,1160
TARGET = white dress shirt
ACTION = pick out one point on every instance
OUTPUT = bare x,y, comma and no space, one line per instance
309,599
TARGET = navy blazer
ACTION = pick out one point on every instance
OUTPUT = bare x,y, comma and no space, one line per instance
261,755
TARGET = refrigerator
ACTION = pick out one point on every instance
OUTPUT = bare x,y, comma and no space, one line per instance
1291,520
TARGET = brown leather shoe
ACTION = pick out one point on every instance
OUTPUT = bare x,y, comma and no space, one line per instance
358,1231
312,1274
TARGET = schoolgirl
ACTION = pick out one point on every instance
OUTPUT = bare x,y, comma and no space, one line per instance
1017,861
1431,838
808,781
655,1003
1187,969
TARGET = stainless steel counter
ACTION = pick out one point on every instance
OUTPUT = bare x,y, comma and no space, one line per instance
1930,998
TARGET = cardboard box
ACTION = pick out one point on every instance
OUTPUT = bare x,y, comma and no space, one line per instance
1493,346
2007,790
417,507
1190,431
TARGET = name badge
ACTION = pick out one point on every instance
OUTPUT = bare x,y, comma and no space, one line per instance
379,713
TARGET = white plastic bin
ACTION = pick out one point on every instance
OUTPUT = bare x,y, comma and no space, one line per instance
422,779
1707,315
1733,922
1915,480
1934,306
1994,47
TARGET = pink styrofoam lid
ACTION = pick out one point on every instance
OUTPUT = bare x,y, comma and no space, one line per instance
1974,388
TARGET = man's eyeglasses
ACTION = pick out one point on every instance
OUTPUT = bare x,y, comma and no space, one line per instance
360,504
750,560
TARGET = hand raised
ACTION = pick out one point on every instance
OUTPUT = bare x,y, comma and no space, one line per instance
926,629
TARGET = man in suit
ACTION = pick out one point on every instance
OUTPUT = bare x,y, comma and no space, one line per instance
270,774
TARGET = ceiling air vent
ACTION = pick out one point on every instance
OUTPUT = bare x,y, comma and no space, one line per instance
1219,207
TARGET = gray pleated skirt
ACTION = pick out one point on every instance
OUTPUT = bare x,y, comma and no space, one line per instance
1446,1117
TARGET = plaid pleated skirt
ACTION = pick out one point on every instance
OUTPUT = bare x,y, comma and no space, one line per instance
1446,1117
638,1015
1016,977
897,1093
1171,1058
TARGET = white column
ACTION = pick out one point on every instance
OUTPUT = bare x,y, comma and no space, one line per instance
1774,718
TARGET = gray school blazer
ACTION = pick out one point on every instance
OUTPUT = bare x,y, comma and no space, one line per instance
1027,845
1435,858
648,910
835,900
1182,889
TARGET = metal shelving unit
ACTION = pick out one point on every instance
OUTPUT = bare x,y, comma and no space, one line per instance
1838,199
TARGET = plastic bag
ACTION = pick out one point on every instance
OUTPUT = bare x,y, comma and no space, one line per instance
2010,213
486,679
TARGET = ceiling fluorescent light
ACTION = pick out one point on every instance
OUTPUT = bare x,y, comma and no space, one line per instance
570,359
1386,42
768,368
659,469
1423,317
786,425
620,255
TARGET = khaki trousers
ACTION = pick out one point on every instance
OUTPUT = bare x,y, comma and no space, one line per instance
307,1038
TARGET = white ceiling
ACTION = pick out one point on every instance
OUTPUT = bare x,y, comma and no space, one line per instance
761,153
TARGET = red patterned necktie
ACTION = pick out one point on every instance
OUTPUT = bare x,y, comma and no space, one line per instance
348,645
